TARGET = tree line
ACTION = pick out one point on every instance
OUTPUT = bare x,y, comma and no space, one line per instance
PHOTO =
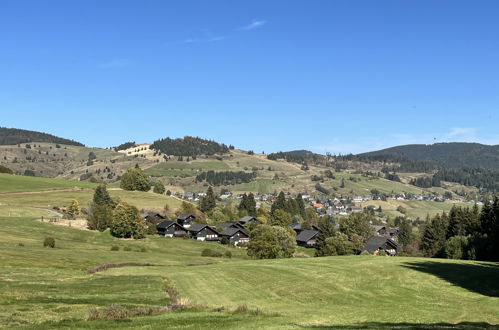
189,146
463,233
225,178
16,136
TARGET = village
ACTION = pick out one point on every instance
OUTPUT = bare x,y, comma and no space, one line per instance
236,233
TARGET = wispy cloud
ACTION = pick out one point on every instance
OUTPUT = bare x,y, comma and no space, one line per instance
116,63
255,24
204,39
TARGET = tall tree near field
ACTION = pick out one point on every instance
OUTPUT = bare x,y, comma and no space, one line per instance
271,242
208,202
135,179
434,234
405,233
327,230
102,197
159,187
100,212
127,222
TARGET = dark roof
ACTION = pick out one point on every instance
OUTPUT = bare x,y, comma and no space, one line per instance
247,218
378,228
152,214
165,224
197,227
306,235
376,242
229,224
185,216
232,231
299,226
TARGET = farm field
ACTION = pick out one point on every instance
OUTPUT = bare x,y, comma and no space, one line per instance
18,183
49,288
44,288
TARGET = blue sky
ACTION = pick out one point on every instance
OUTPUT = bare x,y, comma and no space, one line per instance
336,76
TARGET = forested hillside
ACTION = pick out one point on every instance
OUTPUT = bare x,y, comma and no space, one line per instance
15,136
452,155
189,146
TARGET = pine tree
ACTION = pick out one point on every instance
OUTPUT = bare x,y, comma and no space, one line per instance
102,197
301,205
404,233
251,205
208,202
326,231
279,204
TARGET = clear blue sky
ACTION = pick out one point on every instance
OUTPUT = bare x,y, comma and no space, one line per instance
337,76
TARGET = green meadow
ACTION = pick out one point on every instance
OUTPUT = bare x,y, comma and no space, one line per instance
18,183
49,288
46,288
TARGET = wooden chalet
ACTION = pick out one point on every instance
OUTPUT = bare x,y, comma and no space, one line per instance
248,219
170,229
377,243
307,238
235,235
185,219
202,232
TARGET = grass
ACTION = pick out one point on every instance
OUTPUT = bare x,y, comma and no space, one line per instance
19,183
26,204
48,288
186,169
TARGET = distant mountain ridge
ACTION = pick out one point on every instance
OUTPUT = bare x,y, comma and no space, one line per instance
10,136
450,155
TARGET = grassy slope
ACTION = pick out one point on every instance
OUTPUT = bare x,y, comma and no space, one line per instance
49,285
16,183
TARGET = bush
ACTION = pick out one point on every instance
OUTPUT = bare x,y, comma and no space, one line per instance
143,249
115,248
127,248
49,242
224,241
20,244
210,253
228,254
382,253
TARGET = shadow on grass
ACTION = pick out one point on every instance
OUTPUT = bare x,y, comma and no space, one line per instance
407,326
481,278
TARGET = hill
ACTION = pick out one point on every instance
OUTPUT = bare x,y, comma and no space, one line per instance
47,288
451,155
9,136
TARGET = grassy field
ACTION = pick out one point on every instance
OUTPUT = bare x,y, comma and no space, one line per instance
48,288
19,183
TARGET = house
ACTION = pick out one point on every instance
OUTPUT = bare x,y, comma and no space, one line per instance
298,227
229,224
307,237
393,232
380,230
185,219
376,243
235,235
355,209
153,217
248,219
170,229
202,232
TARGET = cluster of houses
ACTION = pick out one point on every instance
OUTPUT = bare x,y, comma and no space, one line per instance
234,232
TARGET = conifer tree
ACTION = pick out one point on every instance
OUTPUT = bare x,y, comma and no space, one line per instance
326,231
208,202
